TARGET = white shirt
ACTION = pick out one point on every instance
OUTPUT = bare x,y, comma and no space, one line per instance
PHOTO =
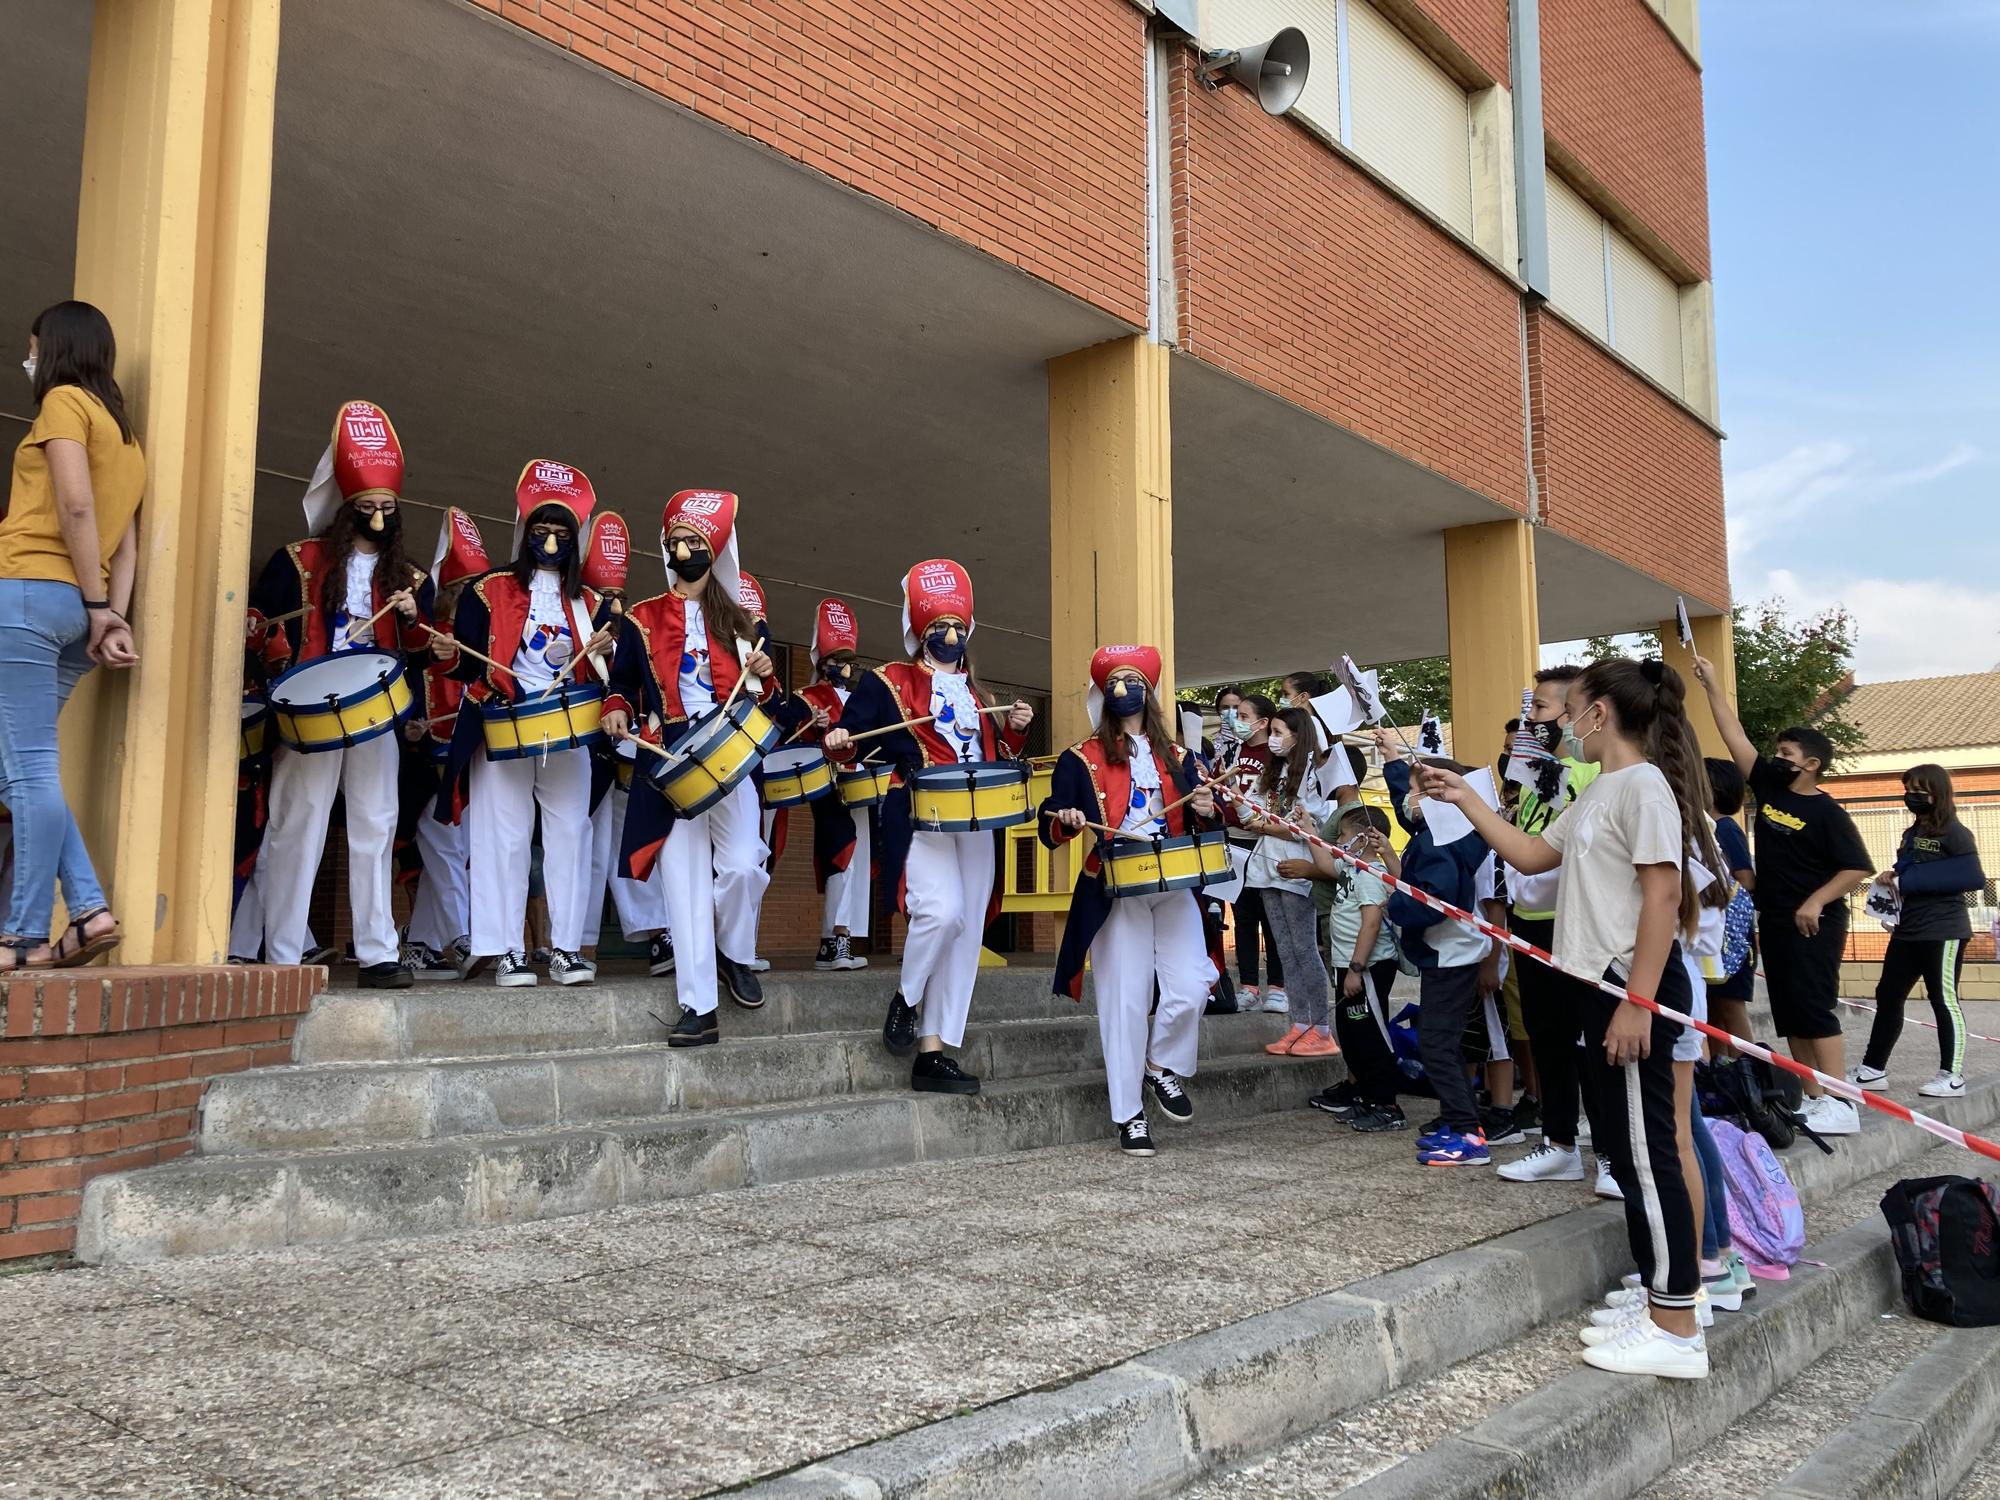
548,638
1146,806
697,671
360,601
957,714
1622,820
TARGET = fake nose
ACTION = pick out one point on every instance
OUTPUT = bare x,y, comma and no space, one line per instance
618,606
680,549
375,522
951,635
549,545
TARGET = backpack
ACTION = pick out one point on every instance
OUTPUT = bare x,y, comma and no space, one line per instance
1765,1219
1764,1099
1946,1233
1739,926
1403,1045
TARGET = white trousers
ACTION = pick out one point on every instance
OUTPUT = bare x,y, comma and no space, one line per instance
442,911
712,868
302,793
501,827
947,882
641,904
1147,936
246,923
848,891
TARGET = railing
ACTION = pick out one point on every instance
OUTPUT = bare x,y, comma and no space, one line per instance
1881,828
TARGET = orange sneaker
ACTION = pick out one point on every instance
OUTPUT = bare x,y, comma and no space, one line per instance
1316,1043
1286,1042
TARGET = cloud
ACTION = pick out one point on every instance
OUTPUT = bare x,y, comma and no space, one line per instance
1904,627
1804,480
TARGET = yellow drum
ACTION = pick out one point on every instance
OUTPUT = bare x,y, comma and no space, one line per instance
719,749
1146,867
561,718
335,701
971,797
256,733
865,786
795,775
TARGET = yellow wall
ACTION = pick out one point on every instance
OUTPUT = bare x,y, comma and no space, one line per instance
1715,639
1494,630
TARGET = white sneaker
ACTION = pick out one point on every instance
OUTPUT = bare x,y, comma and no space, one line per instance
1276,1002
759,966
1642,1349
1583,1130
1607,1185
1832,1116
1546,1163
1631,1294
1594,1333
1944,1086
1863,1076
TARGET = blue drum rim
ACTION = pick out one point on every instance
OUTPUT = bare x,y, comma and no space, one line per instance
728,715
323,706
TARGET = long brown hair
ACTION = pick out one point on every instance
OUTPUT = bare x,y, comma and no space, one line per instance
1152,724
392,566
1935,779
1282,778
1650,700
723,617
74,346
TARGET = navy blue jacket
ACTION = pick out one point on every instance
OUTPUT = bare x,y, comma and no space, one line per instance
1445,871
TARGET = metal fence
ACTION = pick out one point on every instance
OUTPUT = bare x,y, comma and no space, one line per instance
1881,827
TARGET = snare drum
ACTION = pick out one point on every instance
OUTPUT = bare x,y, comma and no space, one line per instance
971,797
705,764
796,774
1145,867
256,731
335,701
865,786
543,723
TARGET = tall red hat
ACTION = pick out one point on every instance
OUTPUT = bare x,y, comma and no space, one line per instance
607,551
932,590
750,594
713,514
1145,660
461,552
363,457
544,481
834,630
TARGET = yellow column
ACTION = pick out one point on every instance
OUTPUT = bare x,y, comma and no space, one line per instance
1715,639
170,243
1111,533
1494,628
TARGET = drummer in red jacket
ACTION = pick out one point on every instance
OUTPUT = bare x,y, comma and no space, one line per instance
843,837
330,585
679,655
1126,776
947,879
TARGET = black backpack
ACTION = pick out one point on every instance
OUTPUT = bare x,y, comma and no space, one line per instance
1946,1233
1765,1099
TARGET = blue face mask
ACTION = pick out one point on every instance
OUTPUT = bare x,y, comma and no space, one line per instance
1232,723
1126,698
1573,745
544,558
945,653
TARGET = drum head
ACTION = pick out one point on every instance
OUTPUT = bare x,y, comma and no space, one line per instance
790,758
252,709
309,684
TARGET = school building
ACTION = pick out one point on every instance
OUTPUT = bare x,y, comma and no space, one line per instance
1424,363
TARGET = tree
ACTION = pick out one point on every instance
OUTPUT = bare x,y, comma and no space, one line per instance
1411,689
1793,672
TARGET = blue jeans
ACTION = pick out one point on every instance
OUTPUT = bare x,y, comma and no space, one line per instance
1715,1237
43,632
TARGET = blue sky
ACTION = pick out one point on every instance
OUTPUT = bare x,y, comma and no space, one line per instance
1855,221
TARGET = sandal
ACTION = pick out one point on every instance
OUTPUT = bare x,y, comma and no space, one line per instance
22,963
77,949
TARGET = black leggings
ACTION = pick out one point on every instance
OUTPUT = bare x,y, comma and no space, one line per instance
1635,1105
1358,1026
1251,922
1552,1008
1936,961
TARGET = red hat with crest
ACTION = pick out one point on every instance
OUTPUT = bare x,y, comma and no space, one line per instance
834,629
461,552
711,514
544,481
1145,660
607,553
364,457
932,590
750,594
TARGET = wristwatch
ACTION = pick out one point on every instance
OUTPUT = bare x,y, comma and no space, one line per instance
1357,968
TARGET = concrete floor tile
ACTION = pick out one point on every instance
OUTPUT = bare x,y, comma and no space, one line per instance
567,1376
751,1335
527,1466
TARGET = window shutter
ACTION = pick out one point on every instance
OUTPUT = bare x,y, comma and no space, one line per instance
1250,23
1410,118
1576,258
1649,314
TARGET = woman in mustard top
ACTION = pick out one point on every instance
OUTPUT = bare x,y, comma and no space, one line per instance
78,478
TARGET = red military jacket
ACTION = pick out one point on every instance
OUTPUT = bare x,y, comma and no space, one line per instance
646,672
493,618
292,578
1112,786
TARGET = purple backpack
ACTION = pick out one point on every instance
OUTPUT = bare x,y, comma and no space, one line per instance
1765,1219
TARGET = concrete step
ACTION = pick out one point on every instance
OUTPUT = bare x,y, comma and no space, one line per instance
355,1105
205,1205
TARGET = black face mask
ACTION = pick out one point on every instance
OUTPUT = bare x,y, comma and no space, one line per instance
1919,802
565,546
1548,733
839,673
364,527
698,561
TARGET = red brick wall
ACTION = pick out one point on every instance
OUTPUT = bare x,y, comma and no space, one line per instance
1299,273
1622,467
1621,97
1479,26
1019,128
101,1071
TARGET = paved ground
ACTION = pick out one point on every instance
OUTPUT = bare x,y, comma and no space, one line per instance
677,1349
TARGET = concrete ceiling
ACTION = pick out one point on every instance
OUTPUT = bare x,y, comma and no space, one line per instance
518,256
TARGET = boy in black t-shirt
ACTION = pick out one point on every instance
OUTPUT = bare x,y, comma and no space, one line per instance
1809,858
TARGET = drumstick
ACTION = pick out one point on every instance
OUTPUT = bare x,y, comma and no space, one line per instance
869,734
416,579
475,655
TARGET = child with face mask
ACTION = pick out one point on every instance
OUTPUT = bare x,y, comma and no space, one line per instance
1249,722
1285,789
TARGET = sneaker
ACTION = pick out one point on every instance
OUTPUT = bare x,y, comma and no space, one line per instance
384,976
1340,1101
824,958
939,1073
1594,1333
324,954
759,966
1863,1076
1583,1130
1133,1137
418,957
1276,1002
844,956
1720,1288
1501,1128
1249,997
454,957
1643,1349
1171,1095
1606,1185
1316,1043
739,980
540,957
1944,1086
1453,1150
660,955
1221,998
1546,1163
514,970
471,965
1284,1044
1832,1116
1740,1270
571,968
1379,1119
1527,1115
693,1030
899,1031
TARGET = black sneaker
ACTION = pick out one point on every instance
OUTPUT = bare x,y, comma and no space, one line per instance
899,1031
1374,1119
389,976
1527,1115
824,958
1501,1128
571,968
660,956
323,955
1340,1101
1222,998
692,1030
515,970
1170,1095
1134,1139
844,956
939,1073
743,986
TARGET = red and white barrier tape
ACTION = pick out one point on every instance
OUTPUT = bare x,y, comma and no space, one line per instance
1917,1021
1837,1086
